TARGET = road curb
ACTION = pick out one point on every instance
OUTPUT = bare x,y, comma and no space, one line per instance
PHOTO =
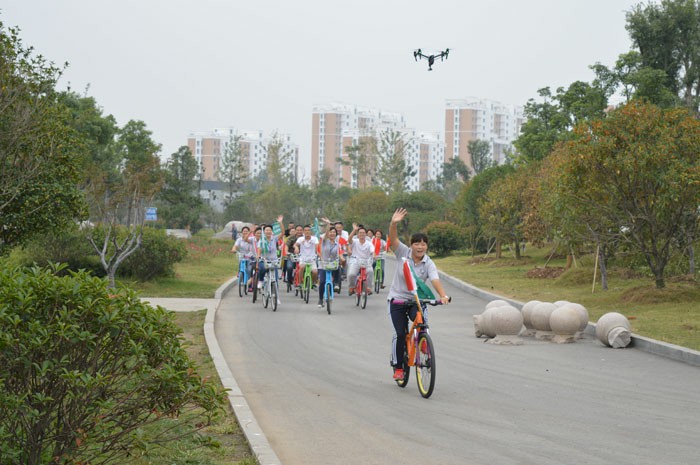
645,344
259,444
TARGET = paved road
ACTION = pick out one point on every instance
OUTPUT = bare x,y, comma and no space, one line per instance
321,389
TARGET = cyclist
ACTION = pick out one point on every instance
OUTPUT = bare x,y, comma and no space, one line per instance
329,252
402,304
305,246
379,247
361,249
267,248
245,244
289,265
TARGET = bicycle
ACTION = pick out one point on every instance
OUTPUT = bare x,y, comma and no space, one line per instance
243,274
329,268
361,281
290,283
254,280
379,272
420,352
270,284
306,281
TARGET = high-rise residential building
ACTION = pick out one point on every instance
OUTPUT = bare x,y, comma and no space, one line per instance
209,146
341,133
480,119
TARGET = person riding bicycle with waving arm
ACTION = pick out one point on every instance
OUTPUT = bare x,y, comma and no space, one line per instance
361,248
402,304
267,247
329,252
245,245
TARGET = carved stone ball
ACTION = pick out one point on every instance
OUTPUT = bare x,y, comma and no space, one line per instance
614,330
540,316
583,314
527,312
564,320
496,303
559,303
482,324
506,320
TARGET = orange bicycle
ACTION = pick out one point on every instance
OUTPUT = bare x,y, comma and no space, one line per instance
420,352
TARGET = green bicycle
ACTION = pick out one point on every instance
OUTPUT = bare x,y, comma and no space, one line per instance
307,280
379,272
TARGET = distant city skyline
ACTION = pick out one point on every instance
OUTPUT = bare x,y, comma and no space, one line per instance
182,66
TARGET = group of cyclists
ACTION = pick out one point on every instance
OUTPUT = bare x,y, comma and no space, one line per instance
329,242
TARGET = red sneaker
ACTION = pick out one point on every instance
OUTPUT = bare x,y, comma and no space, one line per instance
398,374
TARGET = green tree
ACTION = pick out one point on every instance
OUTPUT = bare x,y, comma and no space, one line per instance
393,172
40,154
361,162
368,207
667,35
480,153
280,162
120,196
84,369
640,169
231,168
179,198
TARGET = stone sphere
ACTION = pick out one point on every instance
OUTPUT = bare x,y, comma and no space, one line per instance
614,330
482,324
527,312
564,320
560,303
506,320
496,303
540,316
583,314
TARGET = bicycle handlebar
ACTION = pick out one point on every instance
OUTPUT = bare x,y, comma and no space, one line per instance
435,302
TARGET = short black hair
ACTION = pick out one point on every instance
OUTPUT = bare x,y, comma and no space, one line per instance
419,237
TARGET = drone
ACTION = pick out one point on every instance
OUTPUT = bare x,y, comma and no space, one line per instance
431,58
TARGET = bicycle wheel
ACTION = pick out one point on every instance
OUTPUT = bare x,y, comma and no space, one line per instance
377,280
307,289
358,291
266,292
329,289
242,286
255,287
273,295
425,370
406,372
363,300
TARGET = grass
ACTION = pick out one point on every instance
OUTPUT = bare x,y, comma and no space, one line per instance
671,314
209,263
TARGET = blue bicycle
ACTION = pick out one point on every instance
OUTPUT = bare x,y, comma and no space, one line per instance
243,277
328,268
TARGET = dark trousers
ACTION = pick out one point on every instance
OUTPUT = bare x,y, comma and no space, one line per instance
400,314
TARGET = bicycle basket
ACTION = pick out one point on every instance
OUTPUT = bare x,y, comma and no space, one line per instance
364,262
332,265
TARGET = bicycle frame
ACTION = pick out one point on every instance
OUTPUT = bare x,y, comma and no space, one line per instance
417,327
268,291
379,271
307,279
242,269
361,281
328,268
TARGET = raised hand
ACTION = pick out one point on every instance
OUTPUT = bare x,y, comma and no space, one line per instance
398,215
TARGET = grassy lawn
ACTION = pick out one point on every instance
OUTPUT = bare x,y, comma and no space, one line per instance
671,314
208,265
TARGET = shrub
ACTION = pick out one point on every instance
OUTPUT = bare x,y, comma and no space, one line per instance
82,371
156,256
444,237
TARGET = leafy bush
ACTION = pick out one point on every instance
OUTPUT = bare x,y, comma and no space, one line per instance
82,371
156,256
444,237
70,247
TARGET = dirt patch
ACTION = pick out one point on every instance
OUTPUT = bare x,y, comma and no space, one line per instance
481,260
550,272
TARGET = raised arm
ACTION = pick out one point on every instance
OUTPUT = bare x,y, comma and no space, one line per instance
396,218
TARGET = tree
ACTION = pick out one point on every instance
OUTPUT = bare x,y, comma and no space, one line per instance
280,162
181,203
120,195
392,170
502,210
84,369
231,168
667,36
40,154
368,207
480,153
639,168
362,164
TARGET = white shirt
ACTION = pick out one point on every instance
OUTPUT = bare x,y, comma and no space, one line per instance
307,249
362,251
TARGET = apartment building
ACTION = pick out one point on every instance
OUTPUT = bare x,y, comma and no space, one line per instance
208,147
474,118
341,132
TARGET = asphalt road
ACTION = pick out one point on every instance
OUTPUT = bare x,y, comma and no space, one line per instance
320,387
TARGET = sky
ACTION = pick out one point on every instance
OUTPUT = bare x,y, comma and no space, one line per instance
192,65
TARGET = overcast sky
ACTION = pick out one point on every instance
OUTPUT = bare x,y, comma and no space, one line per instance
183,66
